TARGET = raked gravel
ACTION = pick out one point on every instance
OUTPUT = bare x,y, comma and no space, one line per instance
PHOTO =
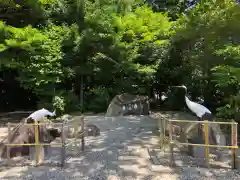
123,151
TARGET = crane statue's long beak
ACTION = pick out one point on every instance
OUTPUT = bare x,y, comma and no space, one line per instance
177,86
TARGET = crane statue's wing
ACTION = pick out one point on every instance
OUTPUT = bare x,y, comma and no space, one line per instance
39,114
198,109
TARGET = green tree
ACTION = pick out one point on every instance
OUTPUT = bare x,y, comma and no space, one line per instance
207,43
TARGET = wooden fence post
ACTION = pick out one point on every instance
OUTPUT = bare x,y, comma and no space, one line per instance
164,131
234,144
36,142
160,128
206,135
63,147
8,141
171,143
83,133
75,134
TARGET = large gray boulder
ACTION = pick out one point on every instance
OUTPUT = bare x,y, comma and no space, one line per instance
128,104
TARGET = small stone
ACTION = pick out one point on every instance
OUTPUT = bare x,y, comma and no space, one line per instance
206,173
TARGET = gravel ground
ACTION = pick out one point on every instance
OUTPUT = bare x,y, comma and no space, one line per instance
126,149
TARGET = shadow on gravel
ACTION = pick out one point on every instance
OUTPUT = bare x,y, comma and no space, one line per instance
126,149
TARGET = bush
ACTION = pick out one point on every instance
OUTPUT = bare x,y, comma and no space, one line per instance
175,100
72,102
230,110
99,100
59,104
63,102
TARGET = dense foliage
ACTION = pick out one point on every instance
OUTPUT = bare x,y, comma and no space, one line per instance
77,55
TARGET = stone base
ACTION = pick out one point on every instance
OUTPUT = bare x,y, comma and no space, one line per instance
195,151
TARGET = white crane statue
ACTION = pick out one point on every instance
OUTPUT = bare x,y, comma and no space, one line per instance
204,113
40,114
199,110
